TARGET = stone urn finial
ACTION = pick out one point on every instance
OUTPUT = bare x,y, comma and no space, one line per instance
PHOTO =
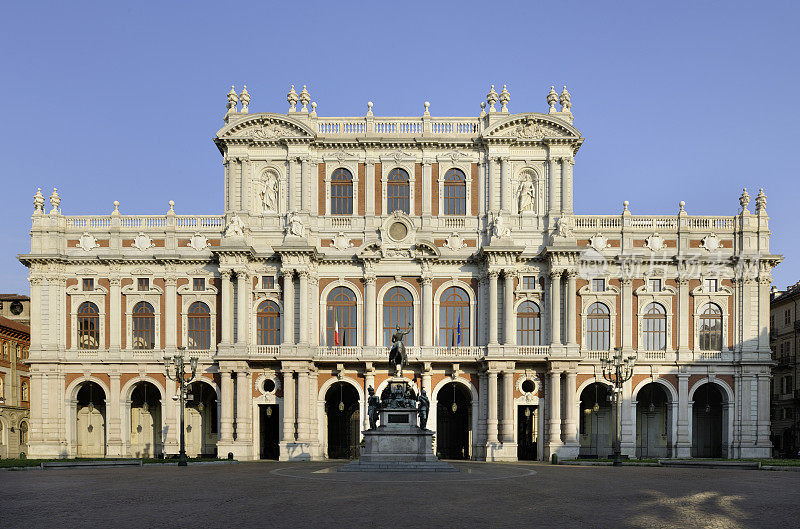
313,109
369,108
744,199
291,97
55,201
625,205
232,100
305,99
682,205
116,208
171,208
552,98
38,202
491,98
505,99
427,106
761,202
566,100
244,97
483,108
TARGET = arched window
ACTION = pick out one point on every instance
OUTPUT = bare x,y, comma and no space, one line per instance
144,326
654,328
341,192
598,328
529,324
199,326
25,392
23,433
268,323
341,318
455,192
88,326
398,310
5,351
398,195
454,317
711,328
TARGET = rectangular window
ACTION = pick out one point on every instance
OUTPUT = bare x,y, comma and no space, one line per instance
655,285
198,284
267,282
598,285
143,284
786,317
529,282
88,285
710,285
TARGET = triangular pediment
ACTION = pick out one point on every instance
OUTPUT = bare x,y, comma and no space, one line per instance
265,127
532,127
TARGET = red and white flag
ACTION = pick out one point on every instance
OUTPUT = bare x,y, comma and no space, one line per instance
336,332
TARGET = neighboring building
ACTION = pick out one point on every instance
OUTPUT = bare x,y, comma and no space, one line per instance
784,326
461,229
15,388
16,308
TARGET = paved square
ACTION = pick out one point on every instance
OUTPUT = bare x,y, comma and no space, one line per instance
280,494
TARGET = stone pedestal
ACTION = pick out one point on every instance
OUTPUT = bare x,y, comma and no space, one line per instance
398,445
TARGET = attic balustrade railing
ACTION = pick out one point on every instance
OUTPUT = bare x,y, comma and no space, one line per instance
660,223
212,223
398,126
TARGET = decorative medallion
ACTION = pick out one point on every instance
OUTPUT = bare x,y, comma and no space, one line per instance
142,242
711,242
599,242
341,242
655,242
198,242
455,242
87,242
398,231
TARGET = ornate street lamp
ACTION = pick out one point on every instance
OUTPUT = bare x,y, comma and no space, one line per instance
618,370
180,376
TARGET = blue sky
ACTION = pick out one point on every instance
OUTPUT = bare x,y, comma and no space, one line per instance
677,100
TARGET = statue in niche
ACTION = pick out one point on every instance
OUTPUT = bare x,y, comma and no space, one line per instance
527,195
269,193
373,403
423,409
397,353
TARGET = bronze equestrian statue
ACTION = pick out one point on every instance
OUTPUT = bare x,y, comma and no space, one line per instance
397,353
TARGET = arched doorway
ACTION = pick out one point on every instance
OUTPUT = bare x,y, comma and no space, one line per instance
653,420
707,421
344,428
145,421
453,420
201,420
597,421
91,420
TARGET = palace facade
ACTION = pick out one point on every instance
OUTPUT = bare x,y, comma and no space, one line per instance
335,231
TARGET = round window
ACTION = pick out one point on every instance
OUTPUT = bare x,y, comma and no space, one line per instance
269,385
16,308
528,386
398,231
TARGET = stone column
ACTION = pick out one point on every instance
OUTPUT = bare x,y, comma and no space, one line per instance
303,407
244,432
288,406
627,315
763,442
226,420
427,188
114,416
554,403
493,307
427,311
684,318
288,307
571,438
684,441
508,405
505,185
313,280
294,183
494,183
370,306
115,321
566,185
170,410
555,308
491,421
369,187
227,307
304,327
571,302
509,321
242,292
36,320
554,192
307,196
480,331
171,312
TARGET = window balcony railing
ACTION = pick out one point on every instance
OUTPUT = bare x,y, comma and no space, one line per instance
708,355
531,350
596,355
265,350
652,355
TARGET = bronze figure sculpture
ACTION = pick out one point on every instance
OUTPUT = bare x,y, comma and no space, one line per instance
373,403
397,353
423,409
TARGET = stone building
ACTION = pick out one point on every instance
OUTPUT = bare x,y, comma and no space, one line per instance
334,232
15,388
15,307
784,326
